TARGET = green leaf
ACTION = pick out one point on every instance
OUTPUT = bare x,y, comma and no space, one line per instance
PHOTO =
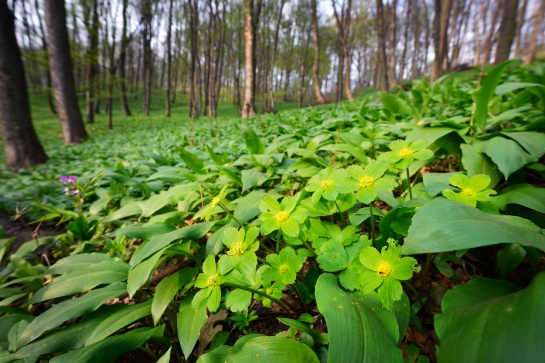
476,163
483,95
333,256
262,349
192,161
144,232
512,86
490,320
253,142
139,274
506,153
67,338
165,358
109,349
70,309
121,318
296,324
82,280
444,225
360,329
248,207
239,300
189,323
522,194
77,262
167,289
251,178
193,232
509,257
129,209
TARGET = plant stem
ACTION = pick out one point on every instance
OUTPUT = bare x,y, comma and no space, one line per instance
282,303
429,260
343,218
232,215
300,297
372,222
261,259
409,184
308,246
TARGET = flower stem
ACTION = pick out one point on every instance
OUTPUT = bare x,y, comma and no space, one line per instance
231,214
308,246
372,222
343,218
301,300
282,303
409,184
429,259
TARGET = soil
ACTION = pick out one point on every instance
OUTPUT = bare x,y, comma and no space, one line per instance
23,232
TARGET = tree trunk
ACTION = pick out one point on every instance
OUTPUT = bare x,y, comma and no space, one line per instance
252,9
146,48
405,40
520,23
22,146
273,59
440,36
316,64
122,58
169,60
50,101
508,27
538,18
343,27
392,44
61,72
92,64
382,61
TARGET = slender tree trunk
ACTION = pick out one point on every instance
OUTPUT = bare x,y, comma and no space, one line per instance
273,59
122,66
405,39
61,72
92,65
169,60
50,101
343,27
146,48
193,110
21,144
392,44
441,20
492,36
508,27
316,64
252,9
538,18
382,61
520,23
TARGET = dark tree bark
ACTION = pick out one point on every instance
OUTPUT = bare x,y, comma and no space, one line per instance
21,144
405,39
273,58
316,64
441,20
169,60
92,65
508,27
122,66
61,72
343,27
382,60
392,44
50,101
252,10
194,98
146,49
538,18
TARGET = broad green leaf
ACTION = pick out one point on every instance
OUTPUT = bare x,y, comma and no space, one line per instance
251,178
67,338
248,206
477,163
167,289
492,321
522,194
359,328
173,195
193,232
513,86
296,324
129,209
192,161
430,134
509,257
444,225
189,323
82,280
238,300
254,145
332,256
139,274
7,321
109,349
144,232
483,95
402,311
532,142
356,152
262,349
70,309
80,261
118,320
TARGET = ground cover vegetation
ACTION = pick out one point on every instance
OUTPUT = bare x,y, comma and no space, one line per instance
403,227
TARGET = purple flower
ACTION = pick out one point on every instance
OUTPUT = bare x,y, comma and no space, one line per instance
71,179
64,179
